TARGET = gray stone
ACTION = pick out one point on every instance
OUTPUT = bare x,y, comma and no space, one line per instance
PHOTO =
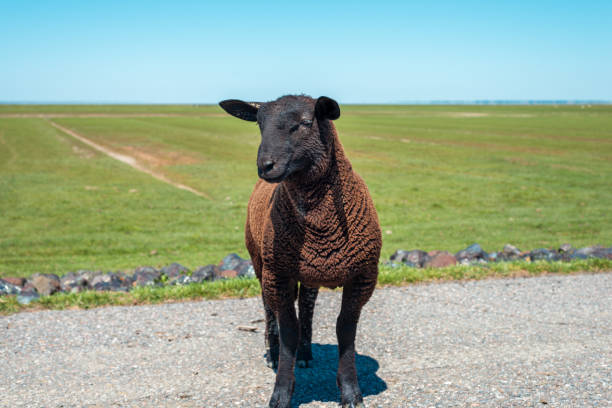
566,248
245,269
415,257
393,265
73,282
474,253
510,252
588,251
204,273
7,288
605,253
88,276
146,276
231,261
181,280
28,296
174,269
398,256
45,284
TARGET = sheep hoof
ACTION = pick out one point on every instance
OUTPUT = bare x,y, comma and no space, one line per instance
303,363
272,358
354,405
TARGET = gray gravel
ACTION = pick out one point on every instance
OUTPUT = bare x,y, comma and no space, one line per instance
543,341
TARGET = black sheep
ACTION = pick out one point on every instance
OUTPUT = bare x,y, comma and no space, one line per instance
310,220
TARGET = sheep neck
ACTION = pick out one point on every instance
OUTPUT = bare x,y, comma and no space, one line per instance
316,202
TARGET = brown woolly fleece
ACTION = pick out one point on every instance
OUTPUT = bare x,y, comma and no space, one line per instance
321,233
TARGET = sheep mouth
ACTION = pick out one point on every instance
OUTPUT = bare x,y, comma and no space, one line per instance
275,179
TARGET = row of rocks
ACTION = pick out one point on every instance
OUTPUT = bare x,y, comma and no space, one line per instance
232,266
474,254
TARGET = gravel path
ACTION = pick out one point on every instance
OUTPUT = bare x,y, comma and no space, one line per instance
512,342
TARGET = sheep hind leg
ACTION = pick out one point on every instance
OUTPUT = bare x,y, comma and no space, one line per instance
271,337
306,303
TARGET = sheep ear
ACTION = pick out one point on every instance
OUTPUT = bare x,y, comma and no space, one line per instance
327,108
240,109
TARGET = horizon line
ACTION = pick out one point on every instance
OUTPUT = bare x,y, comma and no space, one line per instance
406,102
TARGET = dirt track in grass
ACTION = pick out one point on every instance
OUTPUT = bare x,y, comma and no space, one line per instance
129,160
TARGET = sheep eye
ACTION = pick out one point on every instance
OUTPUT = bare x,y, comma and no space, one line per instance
307,123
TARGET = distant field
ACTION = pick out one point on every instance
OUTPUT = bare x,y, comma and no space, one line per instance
442,177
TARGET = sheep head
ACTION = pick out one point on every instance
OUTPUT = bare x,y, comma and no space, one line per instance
296,136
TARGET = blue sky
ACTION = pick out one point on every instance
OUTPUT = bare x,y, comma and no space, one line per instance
356,52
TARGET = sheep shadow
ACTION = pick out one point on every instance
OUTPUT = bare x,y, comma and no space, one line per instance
318,382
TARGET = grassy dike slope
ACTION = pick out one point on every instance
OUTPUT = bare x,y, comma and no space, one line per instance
66,206
442,177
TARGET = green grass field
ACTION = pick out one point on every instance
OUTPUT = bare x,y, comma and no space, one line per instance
442,177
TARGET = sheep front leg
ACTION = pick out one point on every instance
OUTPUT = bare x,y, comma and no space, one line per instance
271,337
289,336
306,302
354,296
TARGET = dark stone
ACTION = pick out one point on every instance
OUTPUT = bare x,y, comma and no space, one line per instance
126,279
73,282
28,296
109,282
146,276
45,284
230,262
510,252
174,269
7,288
440,259
204,273
414,258
471,254
544,254
578,256
15,281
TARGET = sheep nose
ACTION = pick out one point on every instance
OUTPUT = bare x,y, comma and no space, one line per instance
267,166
